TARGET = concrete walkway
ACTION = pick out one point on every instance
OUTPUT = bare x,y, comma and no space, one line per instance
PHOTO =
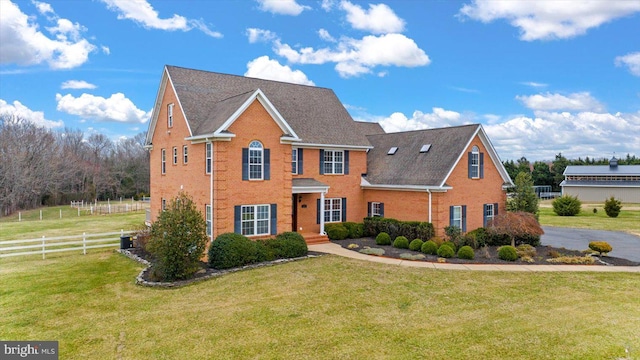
335,249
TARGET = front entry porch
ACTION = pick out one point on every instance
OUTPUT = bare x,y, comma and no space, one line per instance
305,193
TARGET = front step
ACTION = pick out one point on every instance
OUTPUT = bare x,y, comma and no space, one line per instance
312,239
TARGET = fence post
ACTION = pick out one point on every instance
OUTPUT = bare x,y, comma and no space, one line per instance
84,243
43,247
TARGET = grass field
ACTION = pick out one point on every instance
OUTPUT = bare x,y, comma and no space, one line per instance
323,308
628,219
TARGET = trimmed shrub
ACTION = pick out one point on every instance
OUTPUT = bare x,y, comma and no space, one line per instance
453,234
372,251
410,256
526,250
480,237
383,239
336,231
429,247
425,231
612,207
450,244
446,251
231,250
410,229
601,247
466,252
178,240
574,260
401,242
289,245
416,244
437,240
355,230
507,253
567,205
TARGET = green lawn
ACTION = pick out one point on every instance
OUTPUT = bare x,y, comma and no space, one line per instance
628,219
323,308
71,224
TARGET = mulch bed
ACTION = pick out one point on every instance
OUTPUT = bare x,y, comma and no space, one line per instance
482,257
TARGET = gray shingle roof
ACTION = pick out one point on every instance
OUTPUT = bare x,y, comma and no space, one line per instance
370,128
410,167
315,114
602,170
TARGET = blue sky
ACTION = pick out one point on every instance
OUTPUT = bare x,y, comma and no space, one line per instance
542,77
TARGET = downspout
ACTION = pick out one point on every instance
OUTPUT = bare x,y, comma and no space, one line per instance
322,213
429,191
211,188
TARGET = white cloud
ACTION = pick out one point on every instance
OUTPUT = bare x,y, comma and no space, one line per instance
35,117
105,49
257,35
548,20
116,108
324,35
265,68
24,44
356,57
327,5
143,13
534,84
632,61
379,19
282,7
582,101
438,117
77,84
43,8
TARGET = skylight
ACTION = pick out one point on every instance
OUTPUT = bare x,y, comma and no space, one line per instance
425,148
392,150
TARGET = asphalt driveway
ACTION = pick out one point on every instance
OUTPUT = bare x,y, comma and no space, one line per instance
624,245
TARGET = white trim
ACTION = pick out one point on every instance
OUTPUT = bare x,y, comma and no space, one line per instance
333,146
371,210
601,186
255,219
364,184
166,79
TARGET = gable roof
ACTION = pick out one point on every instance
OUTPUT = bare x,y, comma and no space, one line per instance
209,101
621,170
370,128
408,166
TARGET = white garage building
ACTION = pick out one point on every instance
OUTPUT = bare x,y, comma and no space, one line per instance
597,183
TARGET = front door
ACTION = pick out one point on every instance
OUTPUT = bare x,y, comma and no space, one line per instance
294,213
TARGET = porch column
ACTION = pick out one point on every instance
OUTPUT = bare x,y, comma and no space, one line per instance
322,213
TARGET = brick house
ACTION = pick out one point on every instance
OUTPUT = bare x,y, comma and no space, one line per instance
261,157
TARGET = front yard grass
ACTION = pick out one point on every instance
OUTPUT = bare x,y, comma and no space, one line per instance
628,220
322,308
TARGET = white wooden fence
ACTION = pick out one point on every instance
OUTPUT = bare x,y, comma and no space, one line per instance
46,245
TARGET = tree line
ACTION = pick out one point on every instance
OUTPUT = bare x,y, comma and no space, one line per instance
40,166
545,173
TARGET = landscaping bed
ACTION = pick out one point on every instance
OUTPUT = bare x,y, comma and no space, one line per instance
488,255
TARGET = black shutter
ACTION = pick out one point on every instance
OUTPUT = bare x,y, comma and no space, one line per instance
237,223
274,219
344,209
481,165
369,212
469,172
484,215
381,209
464,218
321,162
346,162
245,163
450,215
267,164
300,161
495,209
319,213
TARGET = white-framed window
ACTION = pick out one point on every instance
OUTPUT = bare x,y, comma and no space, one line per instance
489,212
334,162
475,163
332,210
185,154
164,204
175,155
294,161
170,115
457,217
209,218
256,219
376,209
256,160
164,160
208,153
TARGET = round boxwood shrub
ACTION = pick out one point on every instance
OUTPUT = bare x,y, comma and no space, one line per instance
446,251
429,247
508,253
466,252
401,242
383,239
230,250
336,231
416,244
289,245
612,207
355,230
600,246
567,205
449,244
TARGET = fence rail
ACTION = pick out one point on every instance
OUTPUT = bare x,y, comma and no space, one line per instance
46,245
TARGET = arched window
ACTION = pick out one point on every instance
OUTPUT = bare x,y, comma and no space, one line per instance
474,163
256,160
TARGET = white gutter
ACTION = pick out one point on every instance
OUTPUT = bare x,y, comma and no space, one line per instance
211,188
429,191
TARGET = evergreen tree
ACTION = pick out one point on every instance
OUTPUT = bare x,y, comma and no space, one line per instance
559,165
525,198
541,174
